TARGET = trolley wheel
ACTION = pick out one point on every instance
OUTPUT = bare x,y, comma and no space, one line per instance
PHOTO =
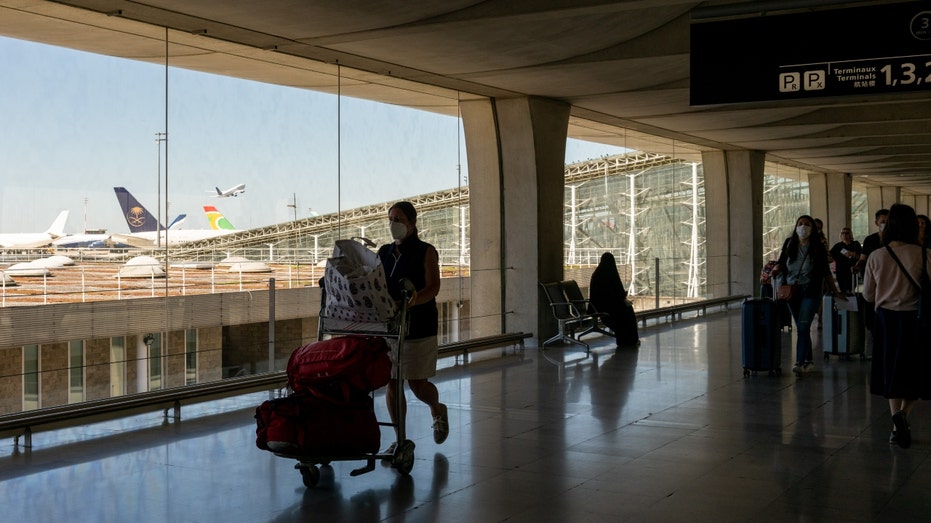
309,474
403,459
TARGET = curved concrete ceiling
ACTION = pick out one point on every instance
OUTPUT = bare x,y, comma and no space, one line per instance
620,64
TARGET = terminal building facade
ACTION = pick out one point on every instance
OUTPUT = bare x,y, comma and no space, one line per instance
646,209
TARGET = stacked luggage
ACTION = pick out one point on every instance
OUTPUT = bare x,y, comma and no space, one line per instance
330,410
329,414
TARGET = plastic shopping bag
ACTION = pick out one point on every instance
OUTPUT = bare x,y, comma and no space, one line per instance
356,287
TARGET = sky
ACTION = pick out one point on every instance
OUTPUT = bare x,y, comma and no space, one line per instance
75,124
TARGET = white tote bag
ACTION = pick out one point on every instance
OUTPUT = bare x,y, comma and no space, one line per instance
356,287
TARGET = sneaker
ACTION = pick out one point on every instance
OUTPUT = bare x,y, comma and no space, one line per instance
441,427
808,367
797,369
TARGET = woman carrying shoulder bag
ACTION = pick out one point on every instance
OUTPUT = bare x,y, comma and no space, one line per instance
891,279
804,268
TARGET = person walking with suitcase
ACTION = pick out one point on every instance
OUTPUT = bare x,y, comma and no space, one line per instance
408,257
804,272
845,254
900,371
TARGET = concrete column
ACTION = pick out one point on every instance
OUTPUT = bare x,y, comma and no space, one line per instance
734,221
922,204
839,206
516,149
818,196
880,198
486,215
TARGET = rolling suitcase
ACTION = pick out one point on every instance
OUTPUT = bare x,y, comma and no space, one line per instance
785,315
761,336
842,331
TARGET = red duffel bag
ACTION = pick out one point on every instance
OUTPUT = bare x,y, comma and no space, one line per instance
355,362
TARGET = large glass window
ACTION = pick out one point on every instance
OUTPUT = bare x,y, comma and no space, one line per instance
861,220
30,377
117,366
644,208
156,360
190,356
785,198
75,371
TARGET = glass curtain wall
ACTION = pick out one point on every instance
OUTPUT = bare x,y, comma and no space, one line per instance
647,210
861,220
317,167
785,198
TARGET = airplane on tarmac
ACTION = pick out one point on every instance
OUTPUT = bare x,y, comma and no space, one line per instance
33,240
218,222
236,190
139,218
144,228
100,240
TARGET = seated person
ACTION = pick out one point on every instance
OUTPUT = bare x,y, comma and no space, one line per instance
606,295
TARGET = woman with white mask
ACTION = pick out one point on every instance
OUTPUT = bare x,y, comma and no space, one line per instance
408,257
803,263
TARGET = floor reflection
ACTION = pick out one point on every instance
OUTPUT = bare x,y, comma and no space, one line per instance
668,431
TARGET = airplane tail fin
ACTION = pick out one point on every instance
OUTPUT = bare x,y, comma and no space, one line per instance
57,229
176,223
217,221
138,218
219,192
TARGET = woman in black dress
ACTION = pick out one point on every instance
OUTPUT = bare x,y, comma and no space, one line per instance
607,295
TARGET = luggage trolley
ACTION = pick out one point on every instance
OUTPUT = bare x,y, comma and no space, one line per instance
402,459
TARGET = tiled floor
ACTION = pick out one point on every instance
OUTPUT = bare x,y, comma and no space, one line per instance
670,432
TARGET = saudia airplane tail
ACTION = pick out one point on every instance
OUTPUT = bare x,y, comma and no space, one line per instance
218,222
138,218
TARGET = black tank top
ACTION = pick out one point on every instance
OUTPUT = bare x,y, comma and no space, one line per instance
407,261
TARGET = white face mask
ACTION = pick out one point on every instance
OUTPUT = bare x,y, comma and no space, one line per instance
803,231
398,230
882,226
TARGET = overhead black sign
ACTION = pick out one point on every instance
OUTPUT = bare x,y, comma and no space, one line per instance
882,48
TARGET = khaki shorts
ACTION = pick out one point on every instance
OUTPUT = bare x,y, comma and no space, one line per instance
419,358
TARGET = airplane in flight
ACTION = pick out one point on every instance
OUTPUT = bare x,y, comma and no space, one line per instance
34,240
236,190
147,234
